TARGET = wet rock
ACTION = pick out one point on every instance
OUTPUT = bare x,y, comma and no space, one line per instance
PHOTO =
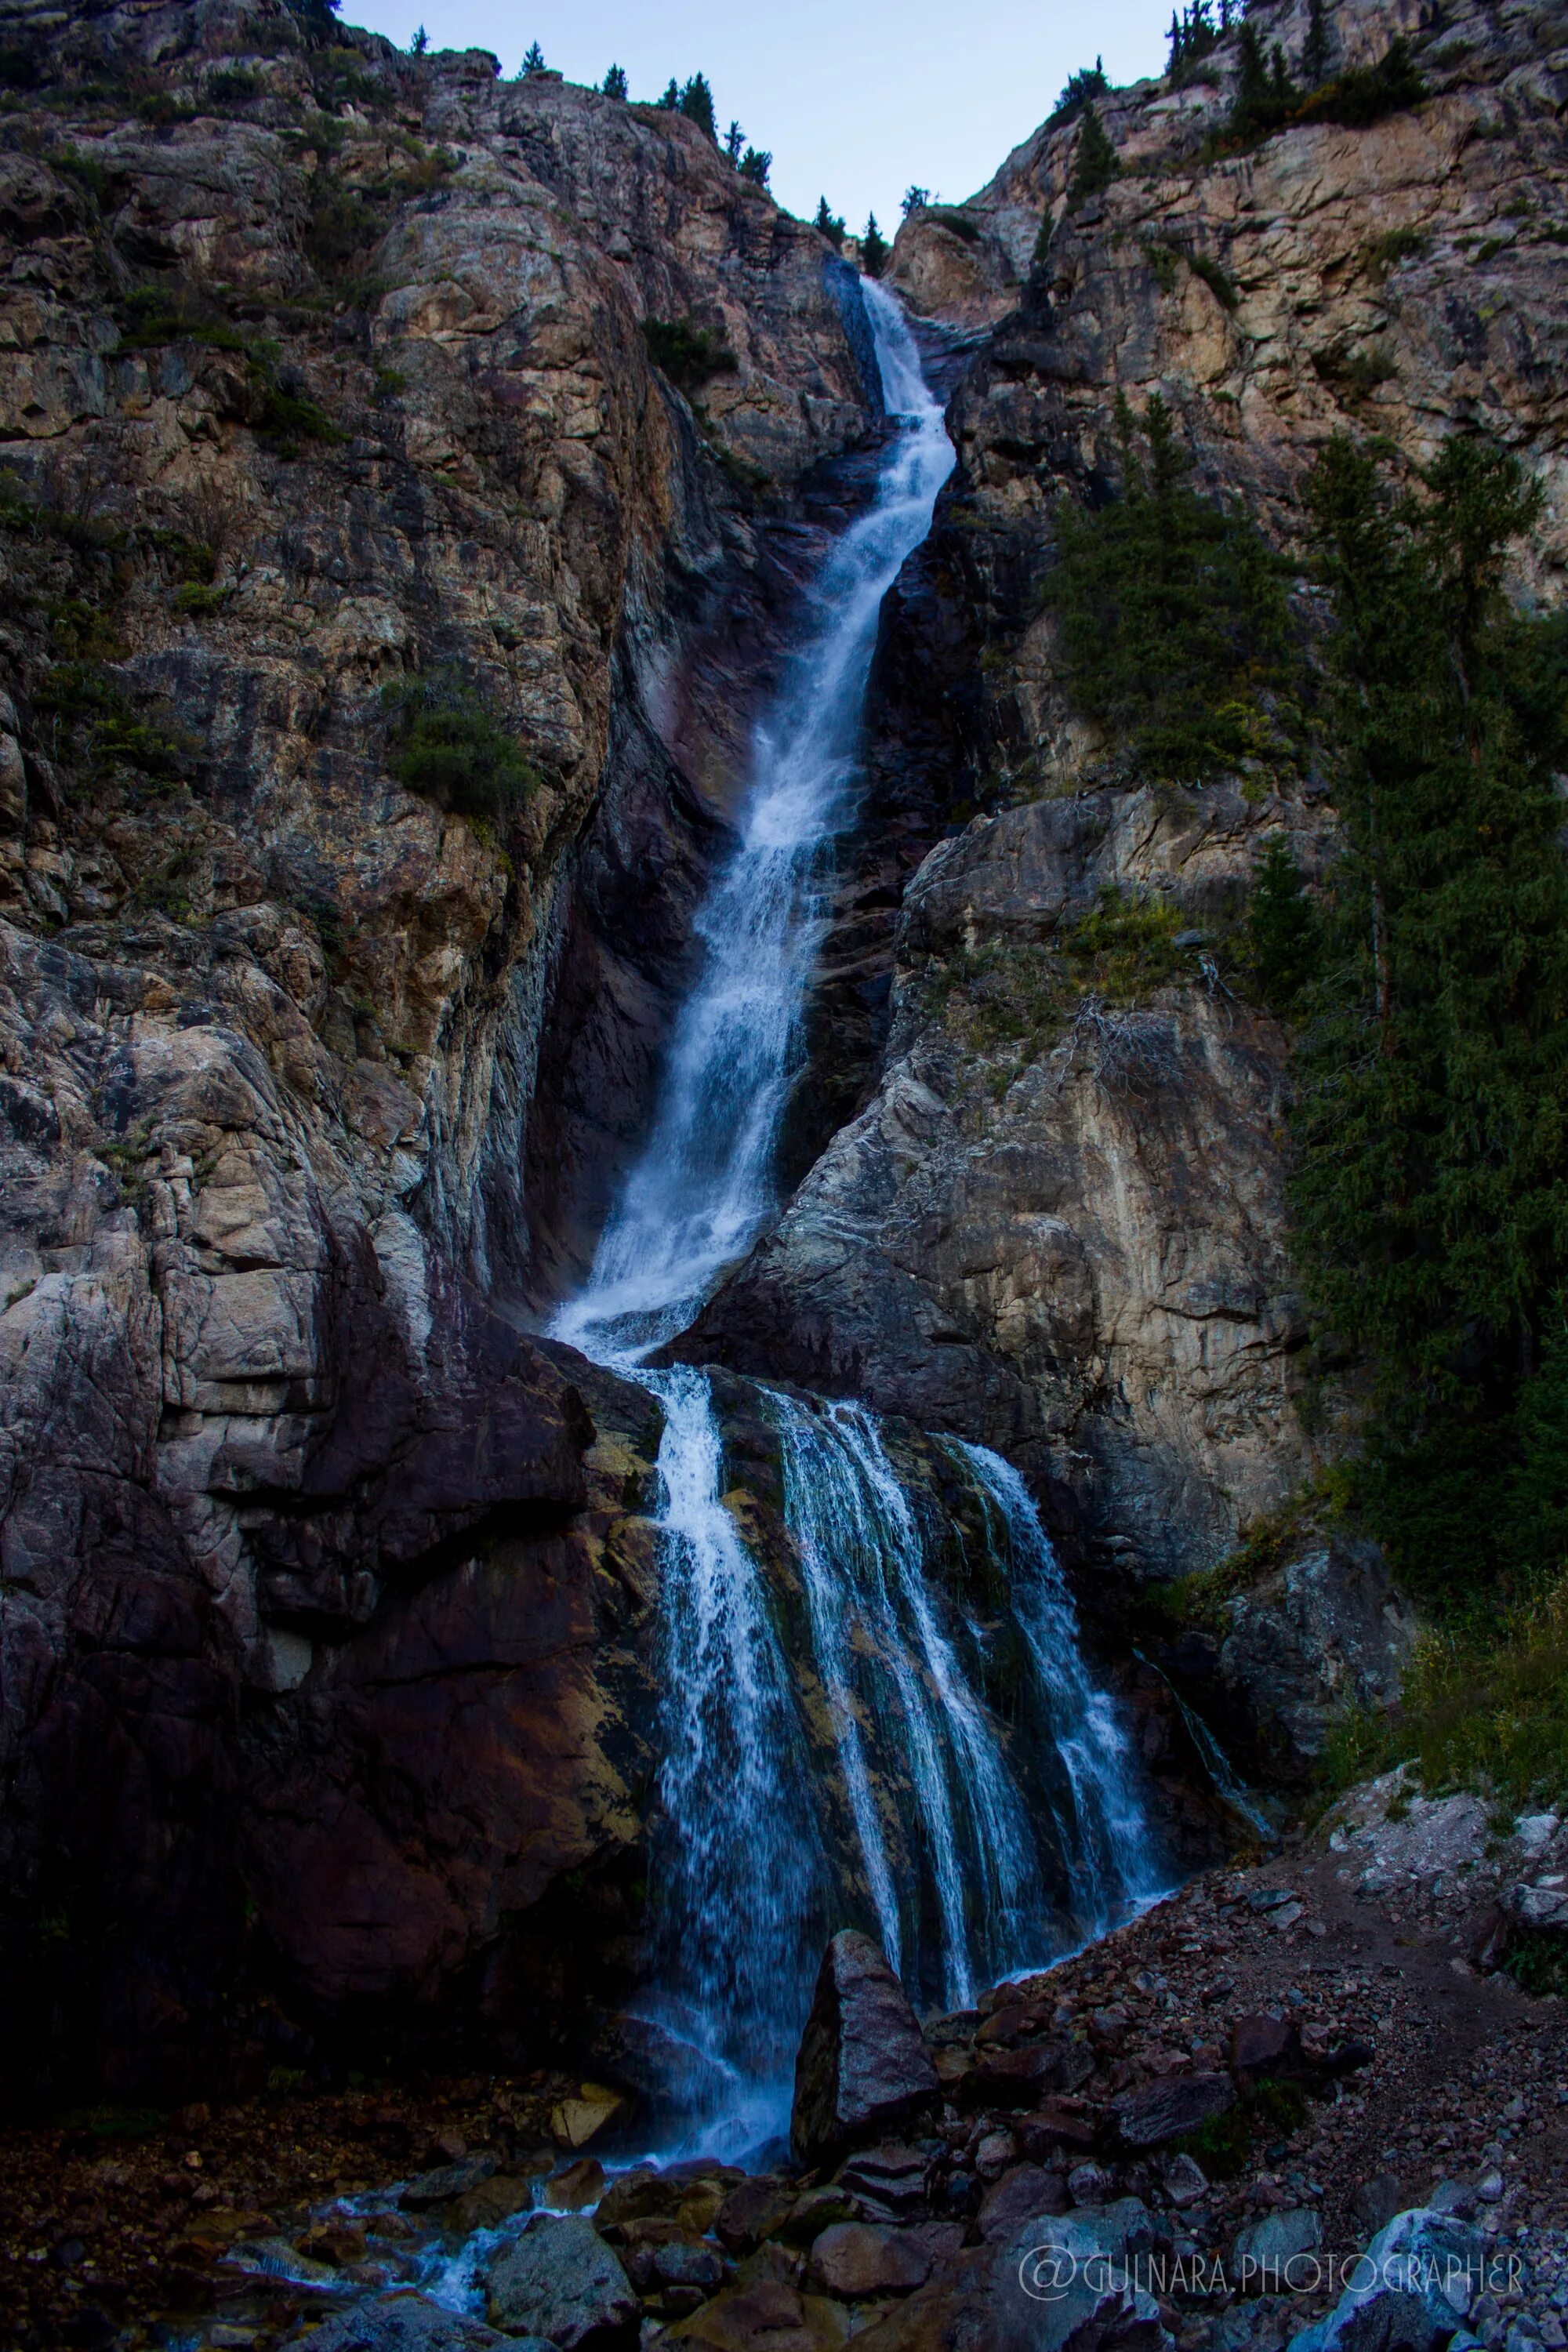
863,2063
1167,2110
402,2323
579,2185
562,2281
817,2210
749,2213
856,2260
1420,2273
574,2122
1028,2190
768,2316
448,2180
485,2207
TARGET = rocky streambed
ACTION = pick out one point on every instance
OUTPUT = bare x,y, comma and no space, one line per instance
1266,2069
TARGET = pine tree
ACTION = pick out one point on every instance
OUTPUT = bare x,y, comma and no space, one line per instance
735,142
915,199
1088,82
615,84
1432,1196
1315,49
670,101
696,105
874,248
1281,926
419,44
755,165
1094,163
1172,614
828,223
534,63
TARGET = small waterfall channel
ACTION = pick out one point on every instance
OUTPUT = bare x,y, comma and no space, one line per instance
894,1727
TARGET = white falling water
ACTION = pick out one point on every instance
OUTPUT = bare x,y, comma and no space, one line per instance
702,1189
912,1812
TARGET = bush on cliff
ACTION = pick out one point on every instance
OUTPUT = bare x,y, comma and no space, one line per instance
1094,163
1431,1128
687,353
1172,613
446,747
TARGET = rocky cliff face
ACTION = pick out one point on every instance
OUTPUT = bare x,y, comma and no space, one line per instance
1058,1221
328,367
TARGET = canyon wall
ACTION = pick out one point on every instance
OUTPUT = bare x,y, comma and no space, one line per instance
329,368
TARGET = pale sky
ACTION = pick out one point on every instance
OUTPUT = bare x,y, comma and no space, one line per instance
856,98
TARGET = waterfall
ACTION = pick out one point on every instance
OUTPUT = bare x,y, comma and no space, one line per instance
702,1188
882,1723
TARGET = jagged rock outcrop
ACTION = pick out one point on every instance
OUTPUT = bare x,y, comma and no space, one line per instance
1059,1228
327,368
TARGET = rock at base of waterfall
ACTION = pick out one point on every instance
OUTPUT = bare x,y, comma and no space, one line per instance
1170,2109
863,2065
448,2181
991,2296
1419,2274
561,2281
403,2322
856,2260
753,2212
761,2317
890,2182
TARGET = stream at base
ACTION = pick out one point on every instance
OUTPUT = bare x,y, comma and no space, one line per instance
892,1726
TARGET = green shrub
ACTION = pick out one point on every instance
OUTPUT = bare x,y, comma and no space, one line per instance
446,747
289,416
1079,90
1126,946
199,600
1172,614
1365,94
687,353
234,86
1385,254
1222,288
150,316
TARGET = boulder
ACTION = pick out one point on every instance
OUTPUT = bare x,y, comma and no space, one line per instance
1264,2045
402,2323
1540,1907
1325,1634
447,2181
749,2214
561,2281
1168,2109
770,2315
1028,2191
1014,2078
1058,2285
856,2260
1419,2278
1277,2255
863,2064
892,2182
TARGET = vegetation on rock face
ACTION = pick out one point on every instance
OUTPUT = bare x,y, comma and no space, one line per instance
446,747
687,353
1172,613
874,248
1088,82
1094,163
1432,1196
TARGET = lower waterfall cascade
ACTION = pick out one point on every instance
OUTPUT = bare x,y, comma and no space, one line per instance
899,1733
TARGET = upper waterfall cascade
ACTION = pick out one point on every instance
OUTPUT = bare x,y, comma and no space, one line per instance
903,1733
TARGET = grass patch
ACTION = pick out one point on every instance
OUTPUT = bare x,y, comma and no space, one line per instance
1224,2144
1222,288
1383,255
1485,1708
1126,947
1538,1961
